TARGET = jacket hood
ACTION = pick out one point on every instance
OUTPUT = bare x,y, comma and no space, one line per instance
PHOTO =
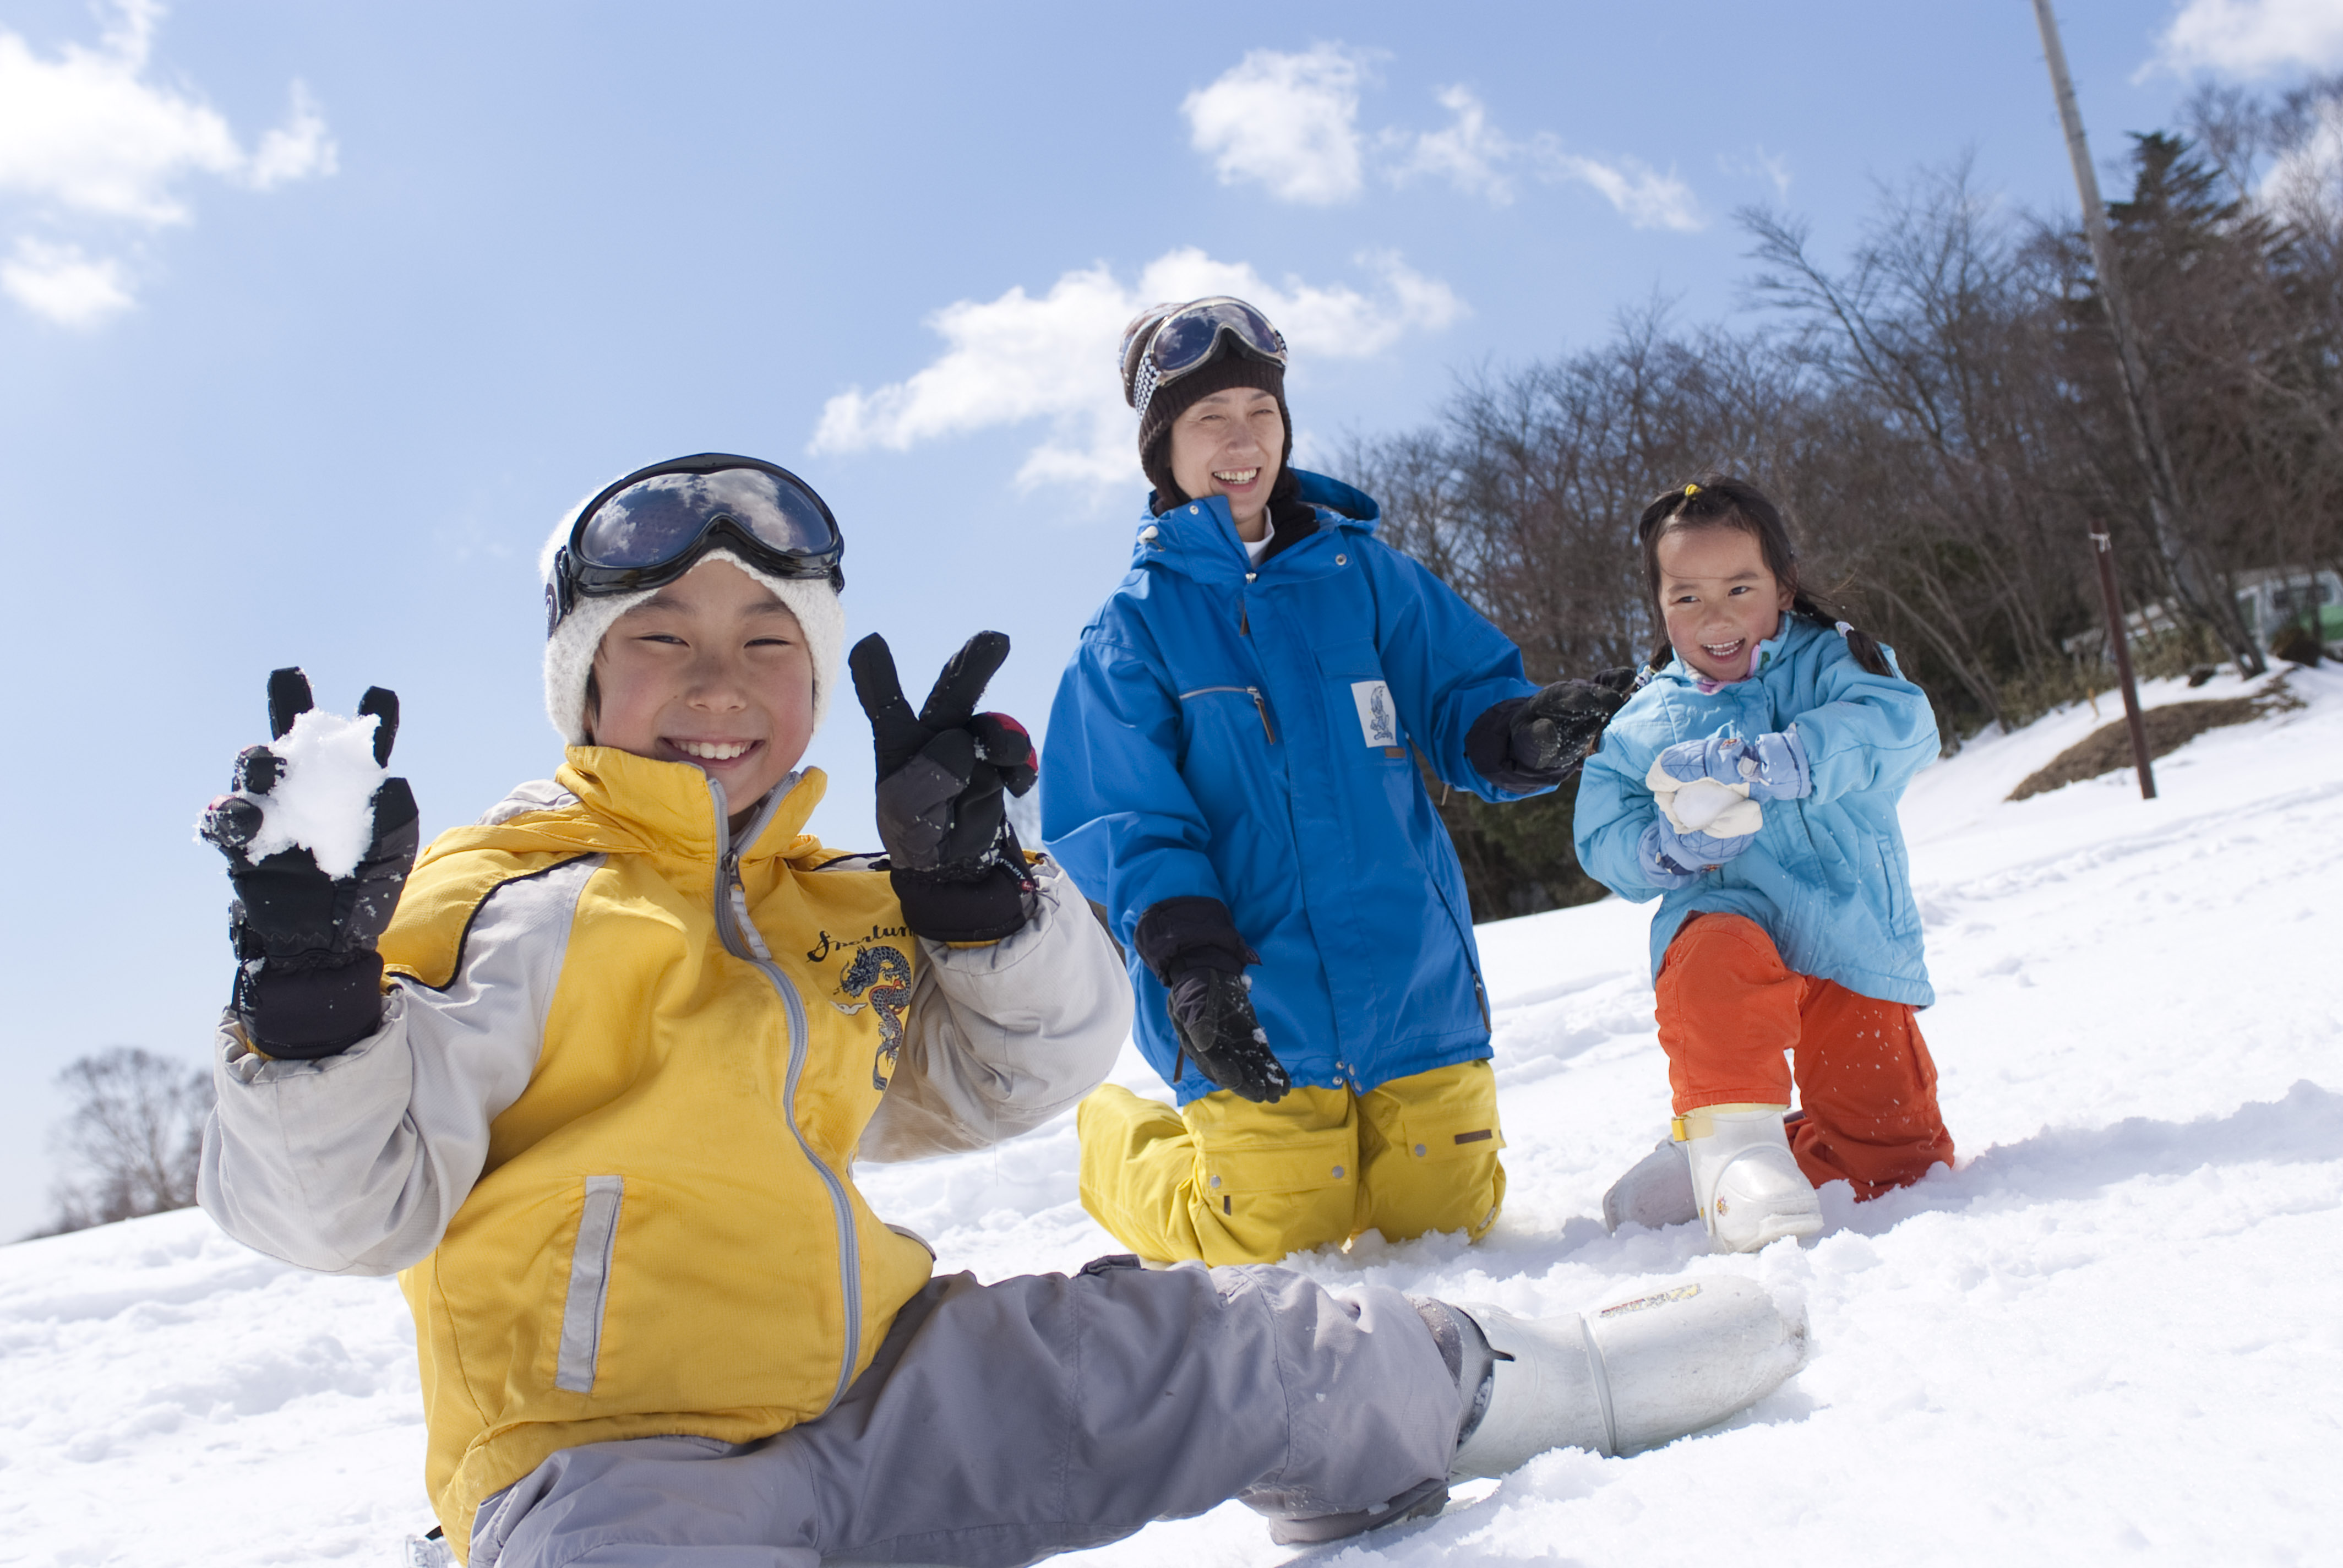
1199,537
626,804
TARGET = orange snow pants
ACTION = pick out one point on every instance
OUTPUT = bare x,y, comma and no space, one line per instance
1729,1008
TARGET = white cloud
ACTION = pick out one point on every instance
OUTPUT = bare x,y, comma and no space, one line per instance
2253,38
1645,196
1290,121
1772,167
299,149
1019,357
57,281
87,138
1469,154
1473,155
2304,184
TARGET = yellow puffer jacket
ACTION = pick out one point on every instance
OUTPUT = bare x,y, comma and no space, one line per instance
605,1128
662,1239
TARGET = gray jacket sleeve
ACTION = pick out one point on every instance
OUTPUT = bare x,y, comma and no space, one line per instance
354,1165
999,1038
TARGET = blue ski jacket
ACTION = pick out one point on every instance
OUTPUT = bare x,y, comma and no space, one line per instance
1827,878
1245,735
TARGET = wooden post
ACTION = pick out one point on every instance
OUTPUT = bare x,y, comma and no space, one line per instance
2139,405
2103,546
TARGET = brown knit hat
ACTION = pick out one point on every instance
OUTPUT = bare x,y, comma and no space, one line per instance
1234,369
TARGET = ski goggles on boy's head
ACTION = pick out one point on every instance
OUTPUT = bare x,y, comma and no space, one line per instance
650,527
1160,348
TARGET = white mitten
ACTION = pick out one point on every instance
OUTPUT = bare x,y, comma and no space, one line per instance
1705,806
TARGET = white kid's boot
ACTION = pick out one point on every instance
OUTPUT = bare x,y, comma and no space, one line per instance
1627,1375
1745,1182
1656,1192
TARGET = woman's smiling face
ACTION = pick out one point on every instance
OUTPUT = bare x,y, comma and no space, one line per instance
1718,597
1228,444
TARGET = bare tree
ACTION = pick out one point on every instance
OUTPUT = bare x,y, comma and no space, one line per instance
131,1144
1940,415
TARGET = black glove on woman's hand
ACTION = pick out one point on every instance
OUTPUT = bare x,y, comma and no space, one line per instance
308,981
954,859
1530,742
1193,948
1213,1011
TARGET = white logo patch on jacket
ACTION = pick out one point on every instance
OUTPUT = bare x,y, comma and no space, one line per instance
1377,721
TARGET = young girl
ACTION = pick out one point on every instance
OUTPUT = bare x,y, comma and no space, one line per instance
1751,786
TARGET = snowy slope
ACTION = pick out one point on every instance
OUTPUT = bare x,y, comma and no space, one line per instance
2114,1332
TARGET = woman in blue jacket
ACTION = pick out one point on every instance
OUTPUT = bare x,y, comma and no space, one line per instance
1230,774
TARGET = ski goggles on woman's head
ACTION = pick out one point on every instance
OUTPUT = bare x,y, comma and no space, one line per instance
1159,348
650,527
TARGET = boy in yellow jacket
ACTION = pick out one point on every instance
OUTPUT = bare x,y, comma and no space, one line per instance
592,1077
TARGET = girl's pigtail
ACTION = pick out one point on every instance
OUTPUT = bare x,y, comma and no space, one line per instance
1662,652
1865,649
1861,645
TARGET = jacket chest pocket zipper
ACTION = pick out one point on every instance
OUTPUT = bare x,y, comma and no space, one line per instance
1259,704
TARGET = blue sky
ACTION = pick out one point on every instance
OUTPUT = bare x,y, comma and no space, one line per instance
313,319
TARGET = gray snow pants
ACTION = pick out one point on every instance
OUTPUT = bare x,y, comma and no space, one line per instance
1001,1423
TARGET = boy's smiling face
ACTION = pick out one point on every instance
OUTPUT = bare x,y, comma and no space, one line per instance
712,670
1718,597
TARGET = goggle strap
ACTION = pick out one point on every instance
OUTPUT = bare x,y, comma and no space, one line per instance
1150,377
560,598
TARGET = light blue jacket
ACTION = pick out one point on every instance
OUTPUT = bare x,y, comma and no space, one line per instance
1246,736
1827,878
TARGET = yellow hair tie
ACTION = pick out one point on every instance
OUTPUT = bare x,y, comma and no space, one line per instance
1691,490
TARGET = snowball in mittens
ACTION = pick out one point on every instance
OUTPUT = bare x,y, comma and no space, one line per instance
323,799
1703,805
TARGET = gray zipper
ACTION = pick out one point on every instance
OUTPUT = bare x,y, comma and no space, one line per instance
728,929
1464,928
1261,705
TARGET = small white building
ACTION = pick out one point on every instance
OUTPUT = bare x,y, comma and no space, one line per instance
2274,598
2269,599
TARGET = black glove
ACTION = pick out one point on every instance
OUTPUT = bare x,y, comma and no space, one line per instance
1214,1014
308,981
955,861
1529,742
1194,949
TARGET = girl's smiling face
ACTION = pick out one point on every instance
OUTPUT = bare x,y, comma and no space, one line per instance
1718,597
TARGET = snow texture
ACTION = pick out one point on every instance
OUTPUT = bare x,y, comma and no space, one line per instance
2111,1333
324,798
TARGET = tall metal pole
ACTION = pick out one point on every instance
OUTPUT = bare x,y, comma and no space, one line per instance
2146,429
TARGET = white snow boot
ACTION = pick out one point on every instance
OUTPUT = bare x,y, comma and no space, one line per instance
1656,1192
1744,1181
1628,1375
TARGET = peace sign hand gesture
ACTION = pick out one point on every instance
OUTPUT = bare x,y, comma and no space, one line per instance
956,862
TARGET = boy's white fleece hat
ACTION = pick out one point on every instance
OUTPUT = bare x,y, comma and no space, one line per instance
570,648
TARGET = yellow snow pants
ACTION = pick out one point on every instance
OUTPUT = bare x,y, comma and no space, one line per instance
1230,1182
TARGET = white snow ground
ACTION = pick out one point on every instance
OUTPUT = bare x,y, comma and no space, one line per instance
2113,1334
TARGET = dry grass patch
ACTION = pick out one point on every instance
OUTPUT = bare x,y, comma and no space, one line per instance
2170,727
